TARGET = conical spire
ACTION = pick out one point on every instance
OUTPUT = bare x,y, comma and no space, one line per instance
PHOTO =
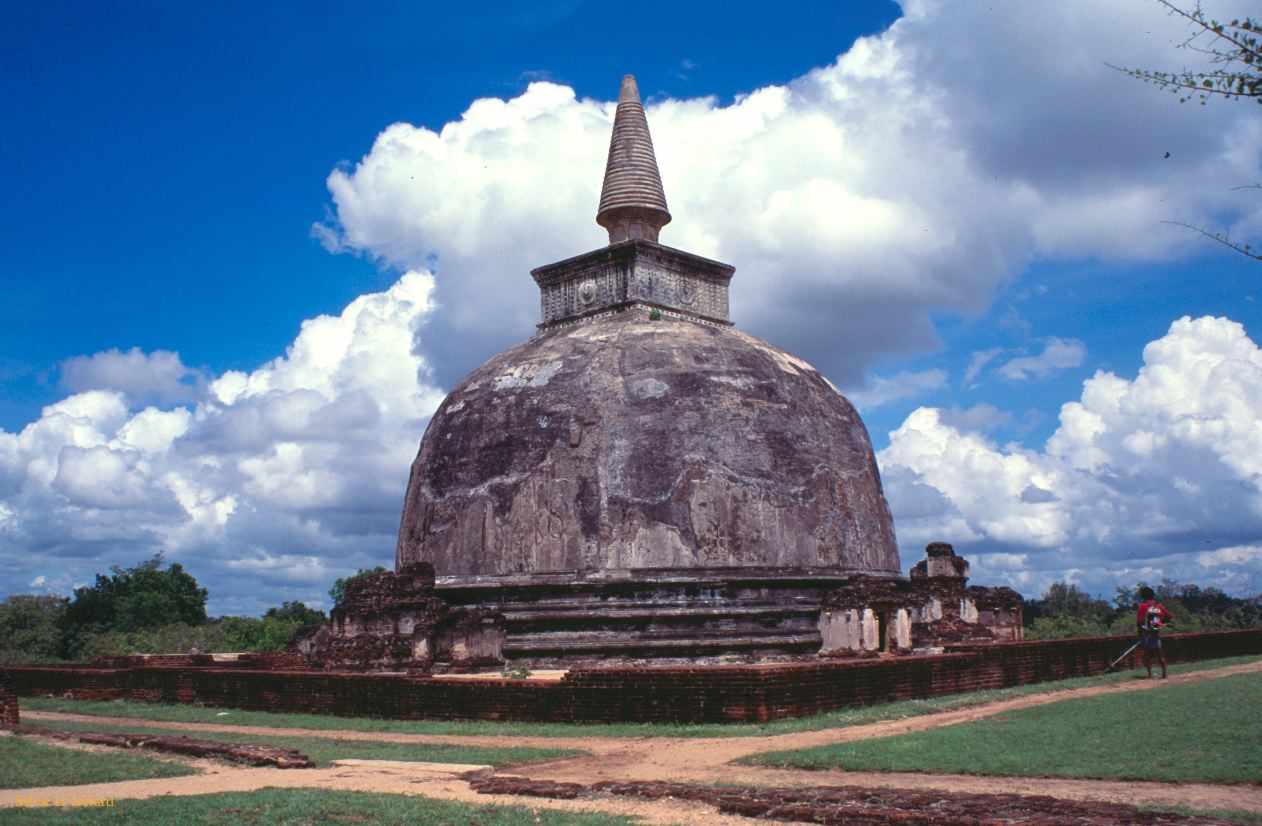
632,202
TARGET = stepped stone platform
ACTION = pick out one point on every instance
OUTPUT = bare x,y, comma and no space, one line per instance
666,616
414,621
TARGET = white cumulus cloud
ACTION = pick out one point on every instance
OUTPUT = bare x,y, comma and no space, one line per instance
158,377
270,486
908,177
1161,473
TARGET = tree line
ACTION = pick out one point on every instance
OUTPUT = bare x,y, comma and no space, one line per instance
156,608
150,608
1066,611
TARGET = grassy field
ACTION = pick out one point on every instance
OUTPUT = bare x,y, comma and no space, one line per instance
1229,815
1207,732
301,807
324,750
833,719
24,764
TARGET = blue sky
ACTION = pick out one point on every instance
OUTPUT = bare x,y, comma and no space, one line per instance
249,248
170,158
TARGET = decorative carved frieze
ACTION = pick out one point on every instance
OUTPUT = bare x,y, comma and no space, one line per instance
633,272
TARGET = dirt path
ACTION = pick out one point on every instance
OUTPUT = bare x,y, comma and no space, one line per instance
699,760
433,780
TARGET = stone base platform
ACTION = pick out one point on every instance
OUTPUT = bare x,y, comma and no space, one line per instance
718,615
413,621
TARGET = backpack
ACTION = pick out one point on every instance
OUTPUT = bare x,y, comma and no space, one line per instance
1152,620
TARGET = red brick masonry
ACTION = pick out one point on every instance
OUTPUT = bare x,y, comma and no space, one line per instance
727,694
8,703
249,753
859,806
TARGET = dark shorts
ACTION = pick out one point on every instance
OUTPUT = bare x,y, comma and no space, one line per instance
1150,640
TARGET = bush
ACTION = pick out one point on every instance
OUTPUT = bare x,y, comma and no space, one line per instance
144,596
1065,611
1060,627
251,634
30,628
176,638
297,613
515,671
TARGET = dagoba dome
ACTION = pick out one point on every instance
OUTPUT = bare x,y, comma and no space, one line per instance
638,430
626,443
642,483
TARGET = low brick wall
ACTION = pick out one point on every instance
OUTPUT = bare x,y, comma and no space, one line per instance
754,693
261,661
8,703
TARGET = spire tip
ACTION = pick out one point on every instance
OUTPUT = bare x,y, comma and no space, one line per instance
629,91
632,203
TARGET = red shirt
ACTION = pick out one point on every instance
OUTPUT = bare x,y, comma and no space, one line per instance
1151,605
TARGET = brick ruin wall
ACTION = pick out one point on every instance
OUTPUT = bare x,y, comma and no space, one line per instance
8,703
258,661
730,694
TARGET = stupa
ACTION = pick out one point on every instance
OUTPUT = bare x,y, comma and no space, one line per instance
640,480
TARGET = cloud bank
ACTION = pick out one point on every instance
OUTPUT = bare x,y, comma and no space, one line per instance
269,487
1159,475
159,377
911,177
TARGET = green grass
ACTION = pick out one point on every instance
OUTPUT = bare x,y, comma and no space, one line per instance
1229,815
832,719
1205,732
324,750
24,764
301,807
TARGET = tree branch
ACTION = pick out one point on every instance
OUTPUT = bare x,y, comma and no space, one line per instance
1235,47
1243,249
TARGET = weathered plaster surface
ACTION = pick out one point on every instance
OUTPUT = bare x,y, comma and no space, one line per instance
625,443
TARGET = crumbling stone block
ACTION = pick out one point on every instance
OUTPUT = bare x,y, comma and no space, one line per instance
396,622
932,608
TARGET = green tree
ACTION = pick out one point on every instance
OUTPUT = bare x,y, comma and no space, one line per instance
142,597
338,591
296,613
253,634
175,638
1233,52
30,627
1064,610
271,633
1203,609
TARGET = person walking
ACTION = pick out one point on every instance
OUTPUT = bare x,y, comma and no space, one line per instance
1151,616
